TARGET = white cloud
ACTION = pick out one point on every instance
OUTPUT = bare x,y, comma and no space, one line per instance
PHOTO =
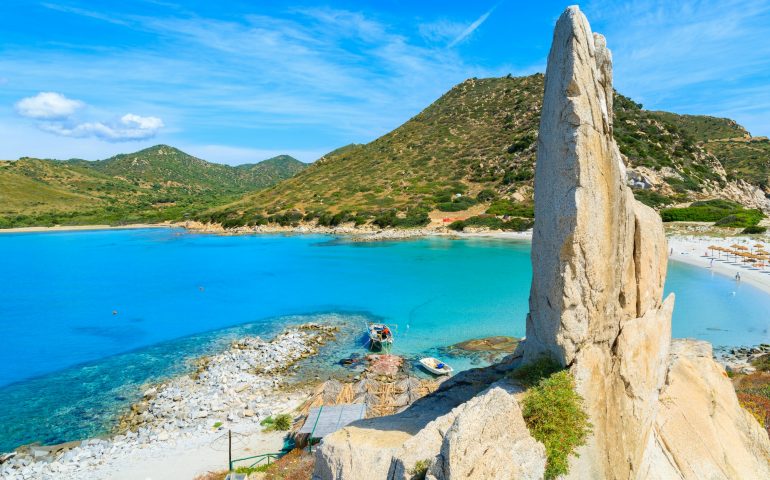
142,123
472,27
440,31
55,112
48,106
129,127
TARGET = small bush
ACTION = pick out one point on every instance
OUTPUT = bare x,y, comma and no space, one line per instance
754,229
419,470
457,204
511,208
217,424
250,470
520,175
486,195
553,412
413,218
723,212
748,218
283,422
650,198
531,373
756,405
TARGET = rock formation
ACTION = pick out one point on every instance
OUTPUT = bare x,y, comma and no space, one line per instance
599,266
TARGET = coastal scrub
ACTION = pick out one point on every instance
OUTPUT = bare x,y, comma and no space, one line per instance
553,412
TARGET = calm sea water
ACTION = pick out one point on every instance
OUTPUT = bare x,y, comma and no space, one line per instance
87,317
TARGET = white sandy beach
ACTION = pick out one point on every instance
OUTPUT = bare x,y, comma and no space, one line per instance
67,228
694,251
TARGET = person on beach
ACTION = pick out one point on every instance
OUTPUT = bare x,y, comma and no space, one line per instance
738,276
711,265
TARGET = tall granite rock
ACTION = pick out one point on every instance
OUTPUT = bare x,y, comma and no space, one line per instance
599,266
659,410
599,256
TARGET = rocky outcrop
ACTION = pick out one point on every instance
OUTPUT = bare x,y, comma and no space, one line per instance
391,447
701,431
599,258
508,450
599,266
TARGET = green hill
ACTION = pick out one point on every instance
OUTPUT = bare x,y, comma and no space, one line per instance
474,146
747,159
155,184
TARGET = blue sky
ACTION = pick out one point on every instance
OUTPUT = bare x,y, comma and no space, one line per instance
238,82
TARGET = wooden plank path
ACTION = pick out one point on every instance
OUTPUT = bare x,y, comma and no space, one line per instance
322,421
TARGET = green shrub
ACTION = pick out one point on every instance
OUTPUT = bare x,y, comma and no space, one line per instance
283,422
233,222
554,414
753,229
650,198
511,208
522,143
250,470
747,218
723,212
486,195
457,204
521,174
419,470
532,373
493,223
413,218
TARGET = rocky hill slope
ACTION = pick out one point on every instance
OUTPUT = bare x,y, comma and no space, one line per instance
153,184
481,136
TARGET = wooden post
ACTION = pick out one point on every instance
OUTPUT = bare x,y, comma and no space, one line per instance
230,449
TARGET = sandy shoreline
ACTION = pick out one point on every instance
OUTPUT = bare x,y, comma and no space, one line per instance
72,228
693,250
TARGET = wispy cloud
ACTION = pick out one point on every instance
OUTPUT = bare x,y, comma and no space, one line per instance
341,74
472,27
702,57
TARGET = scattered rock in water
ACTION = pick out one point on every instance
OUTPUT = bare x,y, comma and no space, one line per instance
384,365
354,360
487,349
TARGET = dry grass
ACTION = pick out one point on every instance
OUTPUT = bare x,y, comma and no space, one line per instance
211,475
295,465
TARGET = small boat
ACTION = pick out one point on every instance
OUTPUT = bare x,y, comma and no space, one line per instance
380,336
436,366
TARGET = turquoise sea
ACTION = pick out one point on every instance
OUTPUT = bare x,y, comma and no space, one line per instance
88,317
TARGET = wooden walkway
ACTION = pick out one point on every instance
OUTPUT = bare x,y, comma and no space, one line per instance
322,421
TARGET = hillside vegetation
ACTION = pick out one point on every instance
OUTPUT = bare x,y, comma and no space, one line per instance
156,184
466,161
476,145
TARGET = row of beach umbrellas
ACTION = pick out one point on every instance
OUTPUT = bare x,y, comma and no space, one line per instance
756,256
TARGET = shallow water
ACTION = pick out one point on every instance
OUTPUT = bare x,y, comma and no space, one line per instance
86,317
